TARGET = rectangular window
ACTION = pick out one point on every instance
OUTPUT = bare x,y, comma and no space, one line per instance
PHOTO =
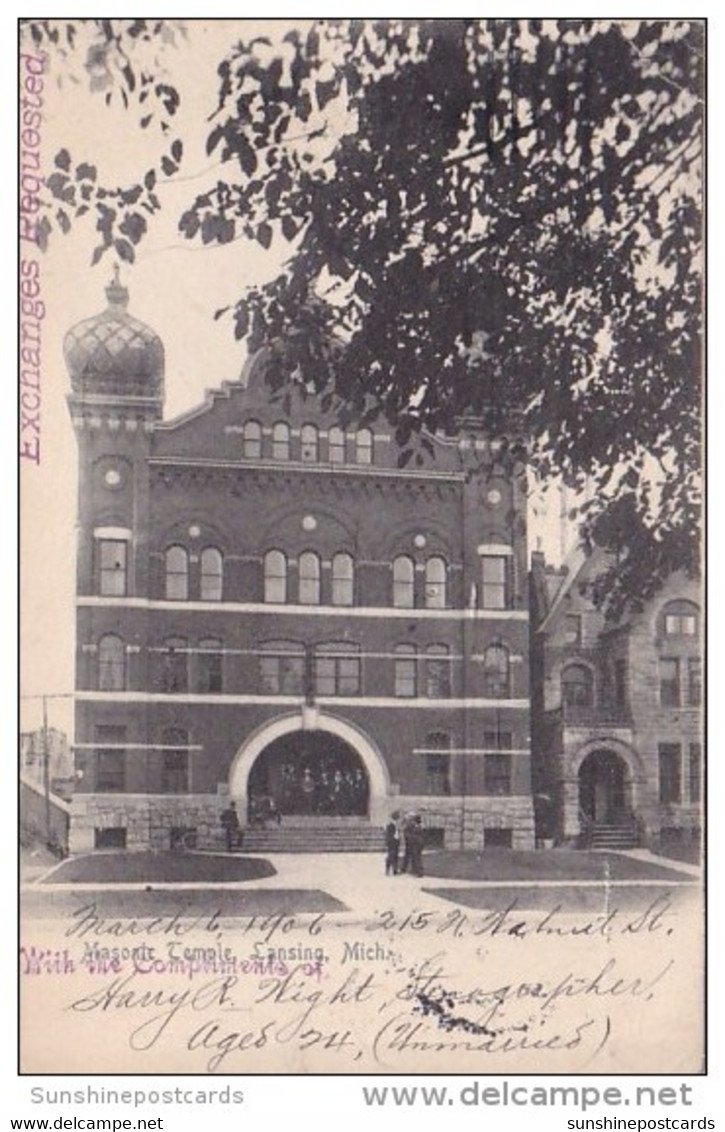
493,581
210,672
438,773
497,838
337,675
670,764
497,740
175,772
113,837
282,674
112,557
110,759
175,670
694,677
669,682
405,675
620,683
695,772
497,774
437,674
573,629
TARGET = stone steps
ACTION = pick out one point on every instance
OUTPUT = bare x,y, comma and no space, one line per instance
314,839
620,836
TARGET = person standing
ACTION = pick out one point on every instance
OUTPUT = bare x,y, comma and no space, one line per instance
230,825
414,843
392,844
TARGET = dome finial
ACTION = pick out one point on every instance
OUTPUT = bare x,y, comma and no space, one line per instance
116,293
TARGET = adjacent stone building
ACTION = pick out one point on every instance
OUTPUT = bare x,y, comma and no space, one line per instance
270,608
617,711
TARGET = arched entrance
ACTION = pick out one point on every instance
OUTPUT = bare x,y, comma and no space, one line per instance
310,773
316,740
604,787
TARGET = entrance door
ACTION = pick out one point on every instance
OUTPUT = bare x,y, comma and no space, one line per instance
602,787
310,773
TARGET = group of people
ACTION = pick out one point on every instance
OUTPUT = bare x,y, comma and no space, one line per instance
406,834
328,792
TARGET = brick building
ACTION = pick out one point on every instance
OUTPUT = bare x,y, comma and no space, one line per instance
271,607
616,711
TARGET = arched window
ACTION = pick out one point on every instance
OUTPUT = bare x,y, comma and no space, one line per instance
210,666
309,444
437,672
212,567
577,686
497,672
111,664
177,574
364,446
175,761
252,440
309,578
282,668
275,577
175,666
336,445
342,580
406,681
403,582
435,583
680,619
280,441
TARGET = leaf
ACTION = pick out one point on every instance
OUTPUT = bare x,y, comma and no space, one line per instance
147,117
86,172
134,226
62,159
168,166
177,149
150,180
124,250
63,220
289,227
264,235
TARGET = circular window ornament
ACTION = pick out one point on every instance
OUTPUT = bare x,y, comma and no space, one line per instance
493,497
112,478
419,541
309,523
194,531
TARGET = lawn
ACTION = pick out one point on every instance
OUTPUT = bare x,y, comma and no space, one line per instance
549,864
156,868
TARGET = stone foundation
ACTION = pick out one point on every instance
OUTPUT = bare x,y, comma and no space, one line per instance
148,819
478,814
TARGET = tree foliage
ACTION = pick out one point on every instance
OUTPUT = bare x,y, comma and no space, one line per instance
482,215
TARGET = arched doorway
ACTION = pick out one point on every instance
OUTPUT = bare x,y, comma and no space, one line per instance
604,787
322,728
310,773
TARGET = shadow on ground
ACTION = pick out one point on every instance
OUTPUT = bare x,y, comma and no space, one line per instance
96,912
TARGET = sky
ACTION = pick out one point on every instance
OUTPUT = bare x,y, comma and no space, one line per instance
175,287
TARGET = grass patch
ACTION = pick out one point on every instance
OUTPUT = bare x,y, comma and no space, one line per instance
156,868
548,864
